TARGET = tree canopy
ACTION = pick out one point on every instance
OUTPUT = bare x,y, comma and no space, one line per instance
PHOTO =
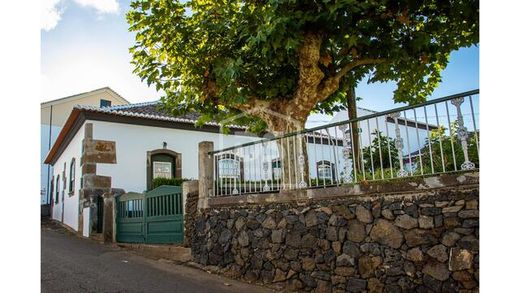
285,58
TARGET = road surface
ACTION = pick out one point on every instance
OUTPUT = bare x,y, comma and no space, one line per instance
72,264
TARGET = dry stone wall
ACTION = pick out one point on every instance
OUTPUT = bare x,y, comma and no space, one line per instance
423,242
190,206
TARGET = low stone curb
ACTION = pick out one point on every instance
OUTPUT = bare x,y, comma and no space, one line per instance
177,254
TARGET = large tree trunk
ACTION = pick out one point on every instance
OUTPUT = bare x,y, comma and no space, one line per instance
292,151
352,114
284,115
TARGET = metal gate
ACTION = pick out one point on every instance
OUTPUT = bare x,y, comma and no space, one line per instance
153,217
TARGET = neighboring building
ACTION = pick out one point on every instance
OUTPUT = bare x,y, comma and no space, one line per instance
53,116
414,133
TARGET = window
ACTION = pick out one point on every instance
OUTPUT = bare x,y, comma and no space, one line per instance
51,192
162,163
105,103
326,170
64,177
162,169
72,176
277,169
229,166
57,199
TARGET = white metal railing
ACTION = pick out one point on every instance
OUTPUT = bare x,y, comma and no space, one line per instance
438,136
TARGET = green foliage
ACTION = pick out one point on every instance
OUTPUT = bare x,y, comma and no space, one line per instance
156,182
387,173
444,154
383,152
249,49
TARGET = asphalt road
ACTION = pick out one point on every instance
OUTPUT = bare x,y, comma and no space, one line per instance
72,264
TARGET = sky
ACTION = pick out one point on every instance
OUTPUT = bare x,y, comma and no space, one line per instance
84,46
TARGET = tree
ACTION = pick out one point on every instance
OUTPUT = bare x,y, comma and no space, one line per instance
381,152
277,61
442,151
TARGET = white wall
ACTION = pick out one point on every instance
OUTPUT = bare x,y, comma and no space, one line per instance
134,141
70,205
414,141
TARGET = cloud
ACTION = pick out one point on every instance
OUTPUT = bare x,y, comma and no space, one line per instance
50,14
51,10
101,6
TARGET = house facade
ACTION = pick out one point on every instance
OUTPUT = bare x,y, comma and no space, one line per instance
100,149
54,115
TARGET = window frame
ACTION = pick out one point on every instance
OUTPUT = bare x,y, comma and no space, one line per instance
171,164
239,163
330,166
72,176
151,157
101,101
57,187
52,190
276,164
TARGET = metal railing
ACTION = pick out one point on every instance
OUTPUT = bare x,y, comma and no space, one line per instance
437,136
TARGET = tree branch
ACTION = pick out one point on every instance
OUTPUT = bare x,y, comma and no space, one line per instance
331,84
356,63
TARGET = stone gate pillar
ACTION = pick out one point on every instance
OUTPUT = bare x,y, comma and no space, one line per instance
205,174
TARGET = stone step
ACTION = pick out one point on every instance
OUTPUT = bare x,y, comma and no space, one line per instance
157,251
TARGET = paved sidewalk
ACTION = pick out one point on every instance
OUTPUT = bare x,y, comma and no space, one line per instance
72,264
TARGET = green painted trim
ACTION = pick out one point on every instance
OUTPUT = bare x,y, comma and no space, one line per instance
163,190
130,196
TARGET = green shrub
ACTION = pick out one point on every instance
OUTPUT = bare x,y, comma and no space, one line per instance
156,182
446,159
385,145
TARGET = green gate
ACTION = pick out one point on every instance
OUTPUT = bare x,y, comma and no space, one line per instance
153,217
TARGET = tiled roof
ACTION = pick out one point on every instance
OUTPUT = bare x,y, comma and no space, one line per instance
149,110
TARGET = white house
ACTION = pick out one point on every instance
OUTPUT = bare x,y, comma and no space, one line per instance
127,146
53,116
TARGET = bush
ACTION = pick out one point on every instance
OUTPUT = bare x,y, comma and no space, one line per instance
388,151
156,182
447,152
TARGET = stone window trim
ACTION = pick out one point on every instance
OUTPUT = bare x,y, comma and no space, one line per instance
177,173
72,177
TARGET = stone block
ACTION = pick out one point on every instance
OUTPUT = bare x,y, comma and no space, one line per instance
406,222
425,222
460,259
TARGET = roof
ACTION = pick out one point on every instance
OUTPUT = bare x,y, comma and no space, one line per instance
149,110
84,94
149,113
343,116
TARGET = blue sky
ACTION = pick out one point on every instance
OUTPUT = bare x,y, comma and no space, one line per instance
84,45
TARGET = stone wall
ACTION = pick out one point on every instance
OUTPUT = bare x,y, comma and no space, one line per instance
423,241
190,190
